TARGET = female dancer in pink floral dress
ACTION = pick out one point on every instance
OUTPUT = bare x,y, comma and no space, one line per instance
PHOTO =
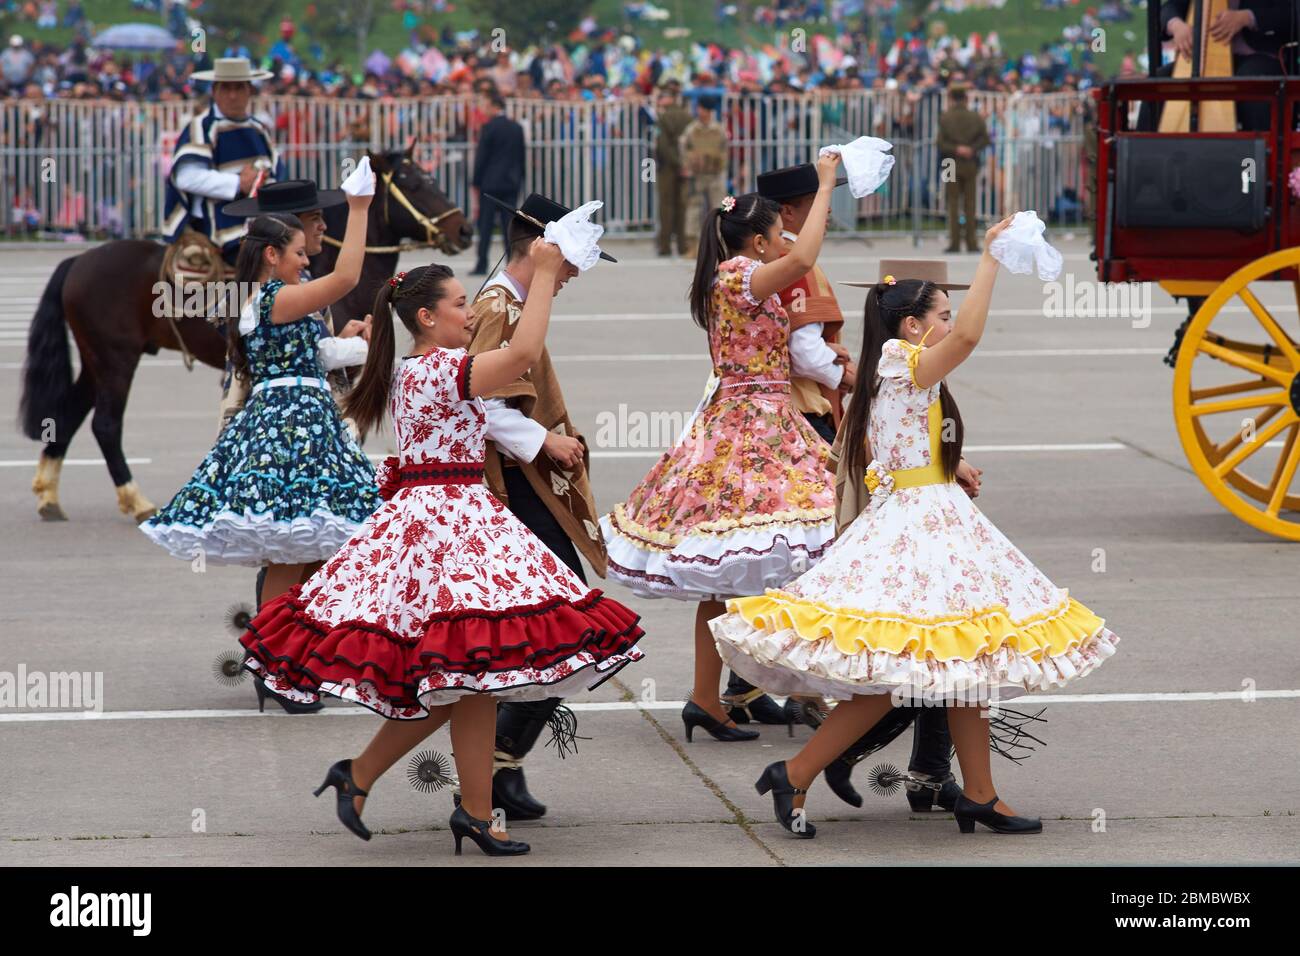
921,599
746,500
444,601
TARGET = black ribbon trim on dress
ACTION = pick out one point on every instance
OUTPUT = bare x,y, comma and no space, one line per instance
462,377
440,473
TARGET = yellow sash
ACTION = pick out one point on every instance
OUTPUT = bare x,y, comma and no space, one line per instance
931,474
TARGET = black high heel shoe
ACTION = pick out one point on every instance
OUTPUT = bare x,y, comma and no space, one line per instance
340,778
924,798
290,706
968,813
783,793
693,715
463,825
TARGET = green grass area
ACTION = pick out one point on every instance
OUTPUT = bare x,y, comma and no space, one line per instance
1021,25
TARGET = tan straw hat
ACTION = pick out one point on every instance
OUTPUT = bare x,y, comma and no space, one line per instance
232,69
927,270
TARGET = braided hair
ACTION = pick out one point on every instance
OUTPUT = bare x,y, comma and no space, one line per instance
272,230
886,308
723,234
406,294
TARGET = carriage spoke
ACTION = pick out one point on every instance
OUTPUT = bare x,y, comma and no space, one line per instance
1226,448
1280,376
1265,318
1283,473
1238,404
1248,448
1215,391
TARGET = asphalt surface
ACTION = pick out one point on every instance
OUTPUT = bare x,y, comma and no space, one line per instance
1164,755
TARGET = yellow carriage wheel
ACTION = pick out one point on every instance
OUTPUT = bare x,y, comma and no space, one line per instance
1237,397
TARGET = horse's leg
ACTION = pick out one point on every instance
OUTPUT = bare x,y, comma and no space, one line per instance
110,408
46,483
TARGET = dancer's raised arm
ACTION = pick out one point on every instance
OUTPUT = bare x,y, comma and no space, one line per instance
294,301
955,347
778,274
500,367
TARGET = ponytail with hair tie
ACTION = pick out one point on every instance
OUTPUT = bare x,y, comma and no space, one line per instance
726,227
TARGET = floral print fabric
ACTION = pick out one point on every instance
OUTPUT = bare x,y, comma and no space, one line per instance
921,589
443,592
285,483
746,498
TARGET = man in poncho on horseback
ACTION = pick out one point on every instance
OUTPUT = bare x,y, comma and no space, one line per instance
221,154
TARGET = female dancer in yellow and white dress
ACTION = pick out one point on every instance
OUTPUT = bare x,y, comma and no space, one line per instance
921,598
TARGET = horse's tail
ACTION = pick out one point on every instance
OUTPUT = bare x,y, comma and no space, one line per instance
47,373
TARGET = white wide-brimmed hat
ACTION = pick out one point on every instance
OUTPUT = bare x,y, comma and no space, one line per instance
232,69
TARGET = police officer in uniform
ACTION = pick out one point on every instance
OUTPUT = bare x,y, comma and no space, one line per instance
670,183
962,136
704,156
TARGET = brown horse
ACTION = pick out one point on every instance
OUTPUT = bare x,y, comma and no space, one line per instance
106,297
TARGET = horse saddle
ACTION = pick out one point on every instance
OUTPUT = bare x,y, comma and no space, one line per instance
195,274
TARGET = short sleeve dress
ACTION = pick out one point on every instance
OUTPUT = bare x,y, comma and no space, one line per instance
285,483
443,592
745,500
921,595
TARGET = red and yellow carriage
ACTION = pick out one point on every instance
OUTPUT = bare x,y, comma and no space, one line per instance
1212,214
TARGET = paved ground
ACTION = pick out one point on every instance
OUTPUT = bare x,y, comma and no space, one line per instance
1071,421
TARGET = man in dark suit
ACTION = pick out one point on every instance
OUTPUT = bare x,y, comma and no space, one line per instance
1255,31
498,172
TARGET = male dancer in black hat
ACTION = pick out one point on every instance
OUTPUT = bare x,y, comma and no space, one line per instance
536,464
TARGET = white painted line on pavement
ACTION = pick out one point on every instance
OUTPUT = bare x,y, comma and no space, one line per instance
668,705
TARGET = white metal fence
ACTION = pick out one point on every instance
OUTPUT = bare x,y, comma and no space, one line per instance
98,167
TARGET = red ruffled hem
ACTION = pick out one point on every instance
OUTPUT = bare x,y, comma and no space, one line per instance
293,645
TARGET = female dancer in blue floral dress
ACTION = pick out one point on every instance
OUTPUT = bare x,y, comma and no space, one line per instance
285,485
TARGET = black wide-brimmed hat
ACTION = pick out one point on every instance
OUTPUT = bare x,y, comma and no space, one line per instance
536,211
791,182
292,195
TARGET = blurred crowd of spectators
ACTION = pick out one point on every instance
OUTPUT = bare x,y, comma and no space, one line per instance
856,45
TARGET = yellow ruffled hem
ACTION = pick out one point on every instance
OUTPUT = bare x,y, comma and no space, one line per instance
1051,633
633,530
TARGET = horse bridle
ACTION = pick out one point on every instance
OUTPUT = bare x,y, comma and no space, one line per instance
431,231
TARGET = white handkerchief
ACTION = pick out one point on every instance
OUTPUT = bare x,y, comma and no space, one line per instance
577,236
249,313
1022,248
866,162
361,181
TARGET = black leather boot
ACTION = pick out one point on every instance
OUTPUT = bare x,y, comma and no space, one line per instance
519,724
924,792
932,762
885,731
745,702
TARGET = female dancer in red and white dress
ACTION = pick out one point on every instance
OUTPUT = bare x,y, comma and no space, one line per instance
444,602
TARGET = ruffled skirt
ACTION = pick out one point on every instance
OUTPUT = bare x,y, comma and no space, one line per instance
922,597
284,484
444,593
744,502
